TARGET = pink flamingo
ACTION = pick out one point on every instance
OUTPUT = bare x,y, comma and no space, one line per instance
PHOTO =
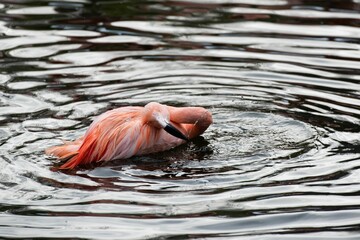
132,131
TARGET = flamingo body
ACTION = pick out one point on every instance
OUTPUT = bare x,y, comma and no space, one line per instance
131,131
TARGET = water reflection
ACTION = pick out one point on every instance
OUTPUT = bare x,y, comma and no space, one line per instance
280,77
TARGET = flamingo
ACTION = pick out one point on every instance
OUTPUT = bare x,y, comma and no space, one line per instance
132,131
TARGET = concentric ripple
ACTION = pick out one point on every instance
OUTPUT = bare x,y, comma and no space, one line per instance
281,78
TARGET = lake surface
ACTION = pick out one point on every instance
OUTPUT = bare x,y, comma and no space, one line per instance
281,78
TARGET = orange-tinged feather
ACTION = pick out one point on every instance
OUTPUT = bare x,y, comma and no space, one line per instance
128,131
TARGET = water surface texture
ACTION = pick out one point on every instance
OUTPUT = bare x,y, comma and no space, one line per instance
281,77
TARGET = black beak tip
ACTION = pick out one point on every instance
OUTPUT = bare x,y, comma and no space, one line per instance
175,132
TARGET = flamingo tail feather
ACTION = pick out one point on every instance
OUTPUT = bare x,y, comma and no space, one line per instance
68,151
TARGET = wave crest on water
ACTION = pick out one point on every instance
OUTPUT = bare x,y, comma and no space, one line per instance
281,79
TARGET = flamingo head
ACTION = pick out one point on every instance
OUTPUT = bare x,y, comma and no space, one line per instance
158,115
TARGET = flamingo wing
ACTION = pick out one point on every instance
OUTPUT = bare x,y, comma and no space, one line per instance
114,134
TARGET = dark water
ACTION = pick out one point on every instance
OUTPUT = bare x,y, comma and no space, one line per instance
281,77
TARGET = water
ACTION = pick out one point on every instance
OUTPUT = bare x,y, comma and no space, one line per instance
281,77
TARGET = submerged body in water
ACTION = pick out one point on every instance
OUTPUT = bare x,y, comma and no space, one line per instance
130,131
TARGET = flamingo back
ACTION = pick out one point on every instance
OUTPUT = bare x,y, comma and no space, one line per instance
117,134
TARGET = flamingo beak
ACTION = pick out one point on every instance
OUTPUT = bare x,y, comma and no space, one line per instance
175,132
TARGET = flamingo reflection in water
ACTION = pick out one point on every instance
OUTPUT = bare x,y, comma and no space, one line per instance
132,131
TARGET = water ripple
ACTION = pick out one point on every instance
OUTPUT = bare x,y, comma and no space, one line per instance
290,29
281,79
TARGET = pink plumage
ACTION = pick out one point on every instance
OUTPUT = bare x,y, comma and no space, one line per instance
131,131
